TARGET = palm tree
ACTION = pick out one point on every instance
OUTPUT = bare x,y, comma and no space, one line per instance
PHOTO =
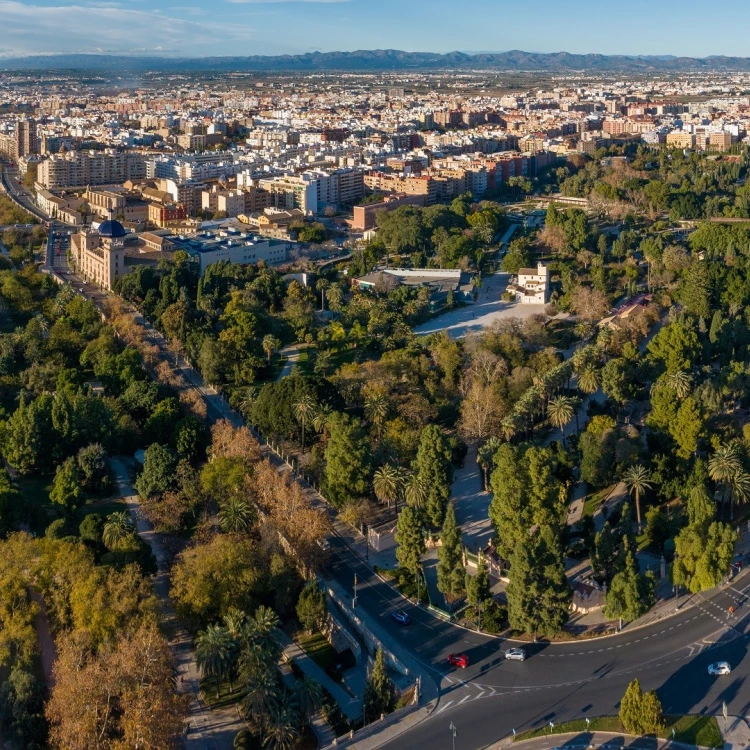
637,482
725,467
214,648
589,380
309,696
387,482
376,409
117,529
320,418
321,285
247,401
680,382
560,411
323,361
335,297
234,620
485,455
415,490
282,730
270,344
259,630
262,692
236,516
304,410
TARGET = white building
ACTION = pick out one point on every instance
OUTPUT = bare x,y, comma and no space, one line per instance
532,285
233,246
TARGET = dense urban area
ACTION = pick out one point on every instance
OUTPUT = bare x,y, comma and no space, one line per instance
374,409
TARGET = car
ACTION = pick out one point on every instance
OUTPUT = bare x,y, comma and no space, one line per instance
515,654
400,617
324,544
719,668
458,660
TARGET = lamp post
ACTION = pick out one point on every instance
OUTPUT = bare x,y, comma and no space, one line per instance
454,731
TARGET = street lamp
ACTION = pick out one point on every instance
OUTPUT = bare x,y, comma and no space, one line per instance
454,731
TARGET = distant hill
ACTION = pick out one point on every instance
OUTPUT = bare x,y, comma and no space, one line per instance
382,60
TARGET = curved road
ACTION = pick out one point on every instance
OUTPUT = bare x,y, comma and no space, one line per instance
562,681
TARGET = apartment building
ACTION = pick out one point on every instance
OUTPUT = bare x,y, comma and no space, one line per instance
165,214
22,141
680,139
81,168
365,216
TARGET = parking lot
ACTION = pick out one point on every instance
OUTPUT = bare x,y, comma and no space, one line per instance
483,313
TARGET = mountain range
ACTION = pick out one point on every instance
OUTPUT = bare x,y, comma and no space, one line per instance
382,60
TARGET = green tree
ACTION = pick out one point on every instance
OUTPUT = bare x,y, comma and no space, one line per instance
28,436
687,427
308,694
700,507
450,567
618,380
94,471
66,488
478,590
236,515
214,649
378,698
311,608
630,594
640,713
637,481
159,464
304,411
347,460
117,531
388,482
433,465
560,411
538,592
703,555
410,539
676,346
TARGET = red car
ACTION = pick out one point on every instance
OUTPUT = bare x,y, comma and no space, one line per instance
458,660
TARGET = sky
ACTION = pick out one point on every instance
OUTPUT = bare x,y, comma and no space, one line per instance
199,28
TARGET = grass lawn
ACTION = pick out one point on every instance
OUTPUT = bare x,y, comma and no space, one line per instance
594,500
691,730
225,697
42,511
317,648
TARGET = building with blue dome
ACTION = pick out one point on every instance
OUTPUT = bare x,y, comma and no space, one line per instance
99,254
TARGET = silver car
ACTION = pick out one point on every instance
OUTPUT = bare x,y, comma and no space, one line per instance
719,668
515,654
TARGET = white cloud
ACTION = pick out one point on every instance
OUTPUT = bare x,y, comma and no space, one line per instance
83,28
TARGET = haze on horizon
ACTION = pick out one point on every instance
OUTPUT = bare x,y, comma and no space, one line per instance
272,27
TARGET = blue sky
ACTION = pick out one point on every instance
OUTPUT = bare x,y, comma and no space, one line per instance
246,27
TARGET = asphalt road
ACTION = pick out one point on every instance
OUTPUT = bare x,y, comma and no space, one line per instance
562,681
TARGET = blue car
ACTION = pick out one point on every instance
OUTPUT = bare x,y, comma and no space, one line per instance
400,617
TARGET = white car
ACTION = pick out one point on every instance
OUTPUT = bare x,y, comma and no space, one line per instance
719,668
515,654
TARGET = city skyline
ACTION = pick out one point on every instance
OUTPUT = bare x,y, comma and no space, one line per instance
270,27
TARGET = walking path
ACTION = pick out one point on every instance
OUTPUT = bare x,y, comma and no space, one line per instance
208,729
292,358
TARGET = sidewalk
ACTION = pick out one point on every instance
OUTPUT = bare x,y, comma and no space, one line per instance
736,732
584,739
293,652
